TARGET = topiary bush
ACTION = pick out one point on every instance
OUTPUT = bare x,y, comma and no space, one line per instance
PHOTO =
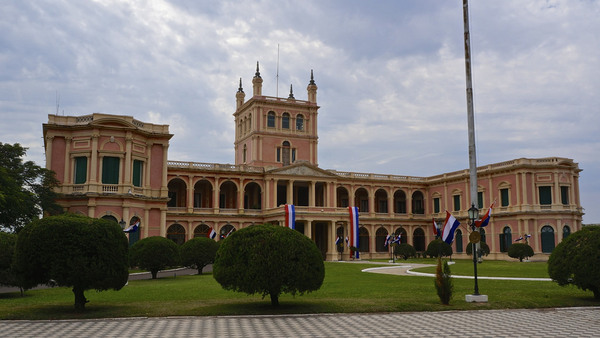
269,260
438,248
198,252
484,248
443,281
8,241
76,251
576,260
520,251
404,250
154,254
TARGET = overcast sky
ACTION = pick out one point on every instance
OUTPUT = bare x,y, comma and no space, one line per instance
391,76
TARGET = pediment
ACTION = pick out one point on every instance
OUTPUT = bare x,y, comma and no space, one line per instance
302,169
112,122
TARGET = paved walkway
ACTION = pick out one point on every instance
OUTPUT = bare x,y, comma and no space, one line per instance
561,322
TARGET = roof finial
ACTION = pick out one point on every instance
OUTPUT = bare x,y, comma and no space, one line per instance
291,93
312,78
257,74
240,90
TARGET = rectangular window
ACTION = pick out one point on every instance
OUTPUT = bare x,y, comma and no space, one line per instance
80,170
456,202
293,155
480,199
110,170
197,200
278,154
564,195
545,195
138,167
364,206
436,205
504,197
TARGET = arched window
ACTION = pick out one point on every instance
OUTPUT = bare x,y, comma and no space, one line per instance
505,239
418,203
380,236
226,231
299,122
566,231
404,237
458,241
285,121
419,239
399,202
110,218
342,197
381,201
363,239
244,154
176,233
271,119
201,230
547,239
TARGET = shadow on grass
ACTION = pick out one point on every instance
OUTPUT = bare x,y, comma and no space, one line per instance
67,311
263,307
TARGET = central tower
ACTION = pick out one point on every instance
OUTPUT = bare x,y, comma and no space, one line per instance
273,132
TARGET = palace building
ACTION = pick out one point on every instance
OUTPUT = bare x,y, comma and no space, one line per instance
117,167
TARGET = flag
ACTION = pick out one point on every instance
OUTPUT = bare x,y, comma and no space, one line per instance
337,241
347,242
518,239
388,238
133,227
435,228
229,233
527,236
397,239
353,230
449,227
290,216
486,218
211,233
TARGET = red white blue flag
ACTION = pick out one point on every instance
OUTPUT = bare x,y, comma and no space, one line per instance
338,240
290,216
211,233
353,230
449,227
485,220
435,229
133,227
388,238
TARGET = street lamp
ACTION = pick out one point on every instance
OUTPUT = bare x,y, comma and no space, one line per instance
474,238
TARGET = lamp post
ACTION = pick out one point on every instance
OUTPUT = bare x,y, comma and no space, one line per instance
474,215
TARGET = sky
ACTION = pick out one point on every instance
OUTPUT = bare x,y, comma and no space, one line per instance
391,76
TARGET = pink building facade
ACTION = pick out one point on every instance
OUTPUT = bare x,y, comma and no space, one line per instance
116,167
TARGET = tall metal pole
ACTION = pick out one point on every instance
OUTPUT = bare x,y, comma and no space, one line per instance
471,126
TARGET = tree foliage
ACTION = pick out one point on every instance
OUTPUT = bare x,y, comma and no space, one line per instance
520,251
75,251
438,248
576,260
154,254
26,190
404,250
198,252
483,248
269,260
443,281
8,241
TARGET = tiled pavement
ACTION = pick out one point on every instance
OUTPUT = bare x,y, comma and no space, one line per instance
561,322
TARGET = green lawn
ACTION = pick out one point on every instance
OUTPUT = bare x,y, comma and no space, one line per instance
345,289
464,267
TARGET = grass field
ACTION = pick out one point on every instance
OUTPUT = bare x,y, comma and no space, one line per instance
345,289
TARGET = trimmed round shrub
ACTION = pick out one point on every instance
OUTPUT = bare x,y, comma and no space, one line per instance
198,252
404,250
438,248
483,247
520,251
75,251
269,260
576,260
8,241
154,254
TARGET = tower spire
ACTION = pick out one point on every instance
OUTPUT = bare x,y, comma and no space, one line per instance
257,82
291,93
312,89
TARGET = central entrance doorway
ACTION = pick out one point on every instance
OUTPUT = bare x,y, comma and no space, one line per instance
321,238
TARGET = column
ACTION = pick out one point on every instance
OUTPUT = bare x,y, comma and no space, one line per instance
308,229
164,191
163,221
290,192
68,179
216,191
190,194
146,223
240,199
94,163
127,175
311,194
49,144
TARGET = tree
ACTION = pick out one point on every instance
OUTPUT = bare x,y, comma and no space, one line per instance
483,248
438,248
404,250
76,251
198,252
8,242
154,254
576,260
269,260
520,251
26,190
443,281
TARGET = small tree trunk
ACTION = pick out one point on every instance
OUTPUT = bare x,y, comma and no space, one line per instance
154,273
596,293
274,299
80,299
